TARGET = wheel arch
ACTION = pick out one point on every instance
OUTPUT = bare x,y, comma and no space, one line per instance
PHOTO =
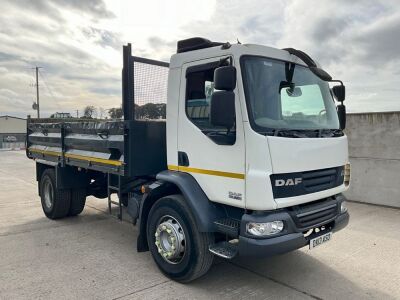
204,211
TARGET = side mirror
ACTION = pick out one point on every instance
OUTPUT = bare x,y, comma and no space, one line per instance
222,109
225,78
339,91
341,111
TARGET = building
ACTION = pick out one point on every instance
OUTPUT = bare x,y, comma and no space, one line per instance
61,115
12,132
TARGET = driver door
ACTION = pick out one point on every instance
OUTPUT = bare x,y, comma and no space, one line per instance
215,158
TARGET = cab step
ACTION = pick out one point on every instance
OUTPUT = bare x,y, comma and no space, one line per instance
228,226
224,249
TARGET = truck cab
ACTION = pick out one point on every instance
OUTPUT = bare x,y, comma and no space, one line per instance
258,130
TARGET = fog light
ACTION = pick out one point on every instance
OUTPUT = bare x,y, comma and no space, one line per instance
343,207
264,229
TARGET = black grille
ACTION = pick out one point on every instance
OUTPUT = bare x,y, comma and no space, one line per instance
300,183
319,180
315,213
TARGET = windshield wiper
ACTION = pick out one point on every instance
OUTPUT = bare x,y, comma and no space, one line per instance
304,133
330,132
294,133
284,132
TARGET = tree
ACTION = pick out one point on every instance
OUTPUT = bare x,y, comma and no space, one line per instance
150,111
115,113
89,111
102,113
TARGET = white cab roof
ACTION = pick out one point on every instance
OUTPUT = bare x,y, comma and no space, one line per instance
237,50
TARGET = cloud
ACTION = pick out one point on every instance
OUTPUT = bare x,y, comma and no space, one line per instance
55,36
8,93
95,8
250,22
102,37
79,43
379,40
106,91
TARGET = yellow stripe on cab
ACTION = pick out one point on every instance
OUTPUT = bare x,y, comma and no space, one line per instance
207,172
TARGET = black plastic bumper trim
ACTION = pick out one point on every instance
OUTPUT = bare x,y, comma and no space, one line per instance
283,243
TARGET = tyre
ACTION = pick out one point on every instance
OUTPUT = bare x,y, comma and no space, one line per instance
55,202
78,200
178,248
124,200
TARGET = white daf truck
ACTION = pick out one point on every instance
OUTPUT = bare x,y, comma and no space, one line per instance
251,160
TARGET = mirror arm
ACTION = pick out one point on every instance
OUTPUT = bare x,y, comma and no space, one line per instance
336,80
222,61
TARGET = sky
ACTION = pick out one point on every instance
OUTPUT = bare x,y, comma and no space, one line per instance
78,44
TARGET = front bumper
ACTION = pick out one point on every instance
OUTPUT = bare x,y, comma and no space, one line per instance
291,238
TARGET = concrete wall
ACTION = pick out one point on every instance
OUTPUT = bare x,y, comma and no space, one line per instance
374,149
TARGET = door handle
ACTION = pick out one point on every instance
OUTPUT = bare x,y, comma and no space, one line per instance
183,159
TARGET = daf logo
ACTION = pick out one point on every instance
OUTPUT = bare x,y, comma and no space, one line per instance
290,181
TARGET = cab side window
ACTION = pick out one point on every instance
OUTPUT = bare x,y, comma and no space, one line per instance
199,89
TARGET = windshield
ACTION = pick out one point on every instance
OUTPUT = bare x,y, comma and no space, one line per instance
285,96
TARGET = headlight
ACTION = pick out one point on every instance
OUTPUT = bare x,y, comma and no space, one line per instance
347,174
264,229
343,207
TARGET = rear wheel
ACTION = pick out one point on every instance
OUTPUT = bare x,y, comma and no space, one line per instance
78,200
177,246
124,200
55,202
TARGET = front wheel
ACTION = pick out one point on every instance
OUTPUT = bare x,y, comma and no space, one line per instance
178,248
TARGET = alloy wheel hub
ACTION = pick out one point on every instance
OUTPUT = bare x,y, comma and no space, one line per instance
170,240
